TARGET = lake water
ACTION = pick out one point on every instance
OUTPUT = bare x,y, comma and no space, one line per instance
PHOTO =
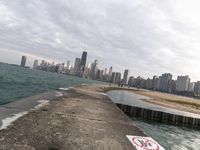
22,89
170,137
17,82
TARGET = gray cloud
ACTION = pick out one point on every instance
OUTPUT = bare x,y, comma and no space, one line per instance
147,36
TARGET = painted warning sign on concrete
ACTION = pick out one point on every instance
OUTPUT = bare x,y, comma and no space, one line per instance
144,143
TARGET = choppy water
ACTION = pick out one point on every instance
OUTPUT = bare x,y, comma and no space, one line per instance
17,82
170,137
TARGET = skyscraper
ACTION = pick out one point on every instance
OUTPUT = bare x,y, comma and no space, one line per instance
118,78
131,81
76,65
89,65
110,71
155,83
42,64
126,76
165,80
113,77
60,68
68,65
182,84
99,75
82,63
35,64
191,87
23,61
94,69
105,71
149,83
197,88
87,70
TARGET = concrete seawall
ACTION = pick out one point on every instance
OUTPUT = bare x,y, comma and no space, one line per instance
83,118
159,116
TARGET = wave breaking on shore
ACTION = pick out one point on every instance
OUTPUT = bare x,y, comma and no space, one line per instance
7,121
13,111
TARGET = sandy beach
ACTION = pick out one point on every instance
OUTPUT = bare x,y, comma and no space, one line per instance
167,100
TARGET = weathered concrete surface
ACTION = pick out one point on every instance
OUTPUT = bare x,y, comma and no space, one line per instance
85,119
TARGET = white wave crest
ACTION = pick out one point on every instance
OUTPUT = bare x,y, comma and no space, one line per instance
59,94
7,121
41,103
65,89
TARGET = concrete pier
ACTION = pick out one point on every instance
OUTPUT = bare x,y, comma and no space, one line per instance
160,116
84,118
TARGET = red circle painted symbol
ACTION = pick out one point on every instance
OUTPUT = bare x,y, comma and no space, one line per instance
146,144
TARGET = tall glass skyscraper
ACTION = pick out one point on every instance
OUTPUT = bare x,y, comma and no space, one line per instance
83,63
23,61
83,59
76,65
126,76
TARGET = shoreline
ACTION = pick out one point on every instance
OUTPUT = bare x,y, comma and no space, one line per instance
166,100
12,111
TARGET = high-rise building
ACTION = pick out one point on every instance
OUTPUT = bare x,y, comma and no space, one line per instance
23,61
165,79
99,75
89,65
87,70
42,64
171,86
131,81
94,69
149,83
110,71
60,68
197,88
68,65
139,82
105,71
76,65
126,76
82,63
182,83
191,87
35,64
113,77
118,78
155,83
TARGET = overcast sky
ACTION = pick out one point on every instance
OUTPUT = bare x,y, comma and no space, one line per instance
146,36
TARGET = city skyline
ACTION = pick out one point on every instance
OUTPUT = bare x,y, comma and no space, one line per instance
122,77
163,83
149,37
73,65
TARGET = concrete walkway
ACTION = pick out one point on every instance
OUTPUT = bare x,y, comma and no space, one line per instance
83,119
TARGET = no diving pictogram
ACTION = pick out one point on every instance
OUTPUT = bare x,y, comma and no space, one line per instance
144,143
